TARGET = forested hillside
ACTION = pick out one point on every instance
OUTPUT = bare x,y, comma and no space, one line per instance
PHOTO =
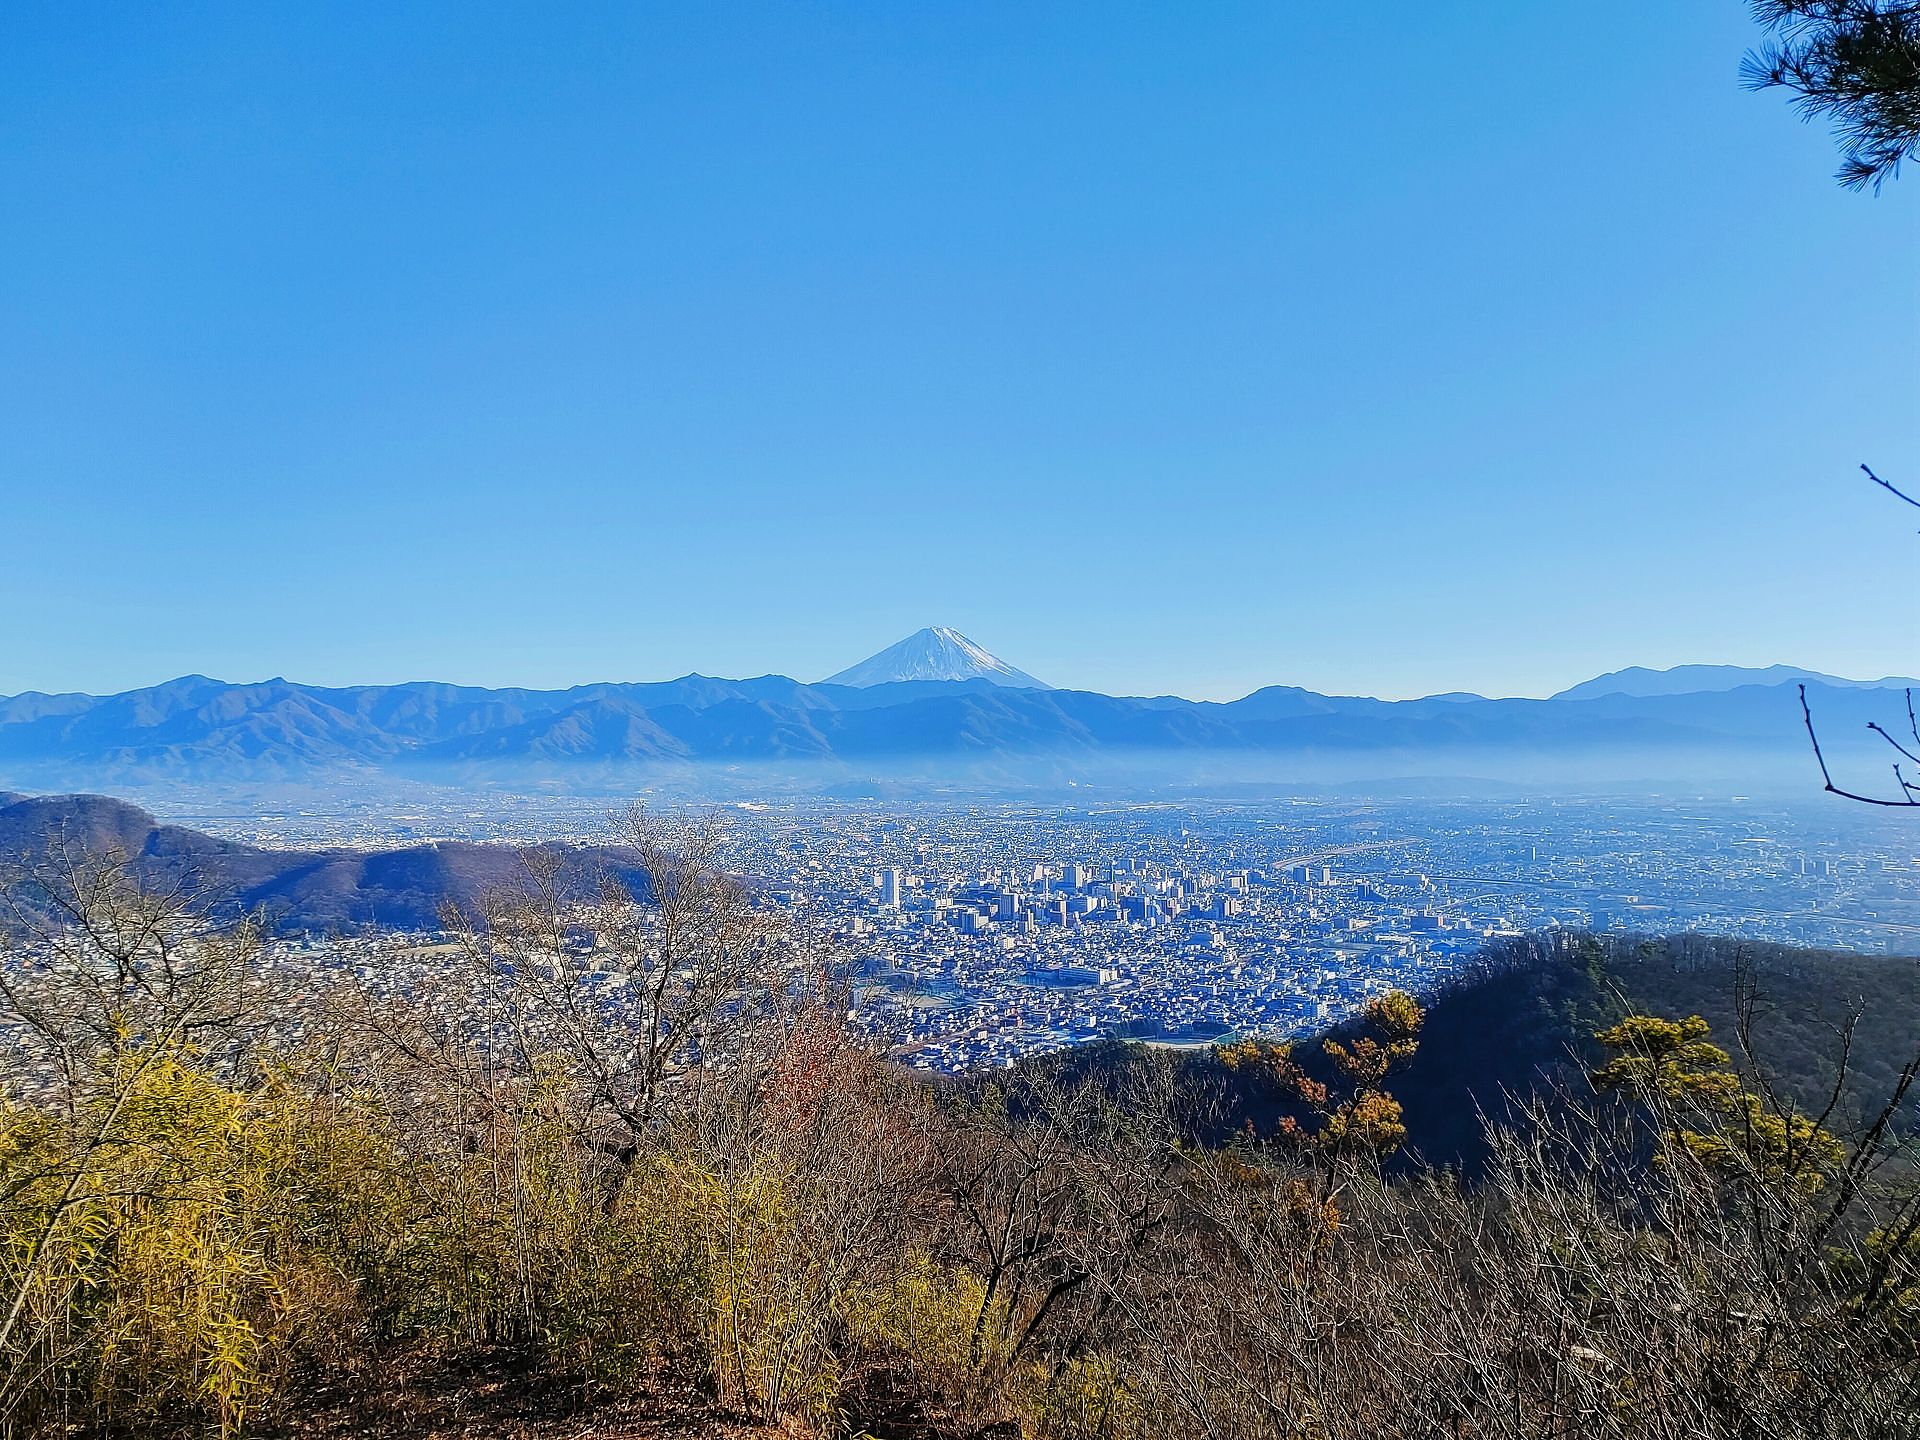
1521,1023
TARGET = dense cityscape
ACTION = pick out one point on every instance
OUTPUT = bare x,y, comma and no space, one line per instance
978,933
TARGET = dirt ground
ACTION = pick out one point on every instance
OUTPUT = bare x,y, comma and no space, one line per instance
496,1398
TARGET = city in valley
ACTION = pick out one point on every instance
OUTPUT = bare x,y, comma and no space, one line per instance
976,933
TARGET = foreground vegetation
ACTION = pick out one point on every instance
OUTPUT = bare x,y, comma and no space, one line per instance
218,1201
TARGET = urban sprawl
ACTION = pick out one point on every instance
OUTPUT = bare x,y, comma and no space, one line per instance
975,934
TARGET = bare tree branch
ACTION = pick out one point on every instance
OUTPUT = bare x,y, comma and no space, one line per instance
1897,494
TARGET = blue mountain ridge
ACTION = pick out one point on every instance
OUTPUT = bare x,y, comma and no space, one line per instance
197,724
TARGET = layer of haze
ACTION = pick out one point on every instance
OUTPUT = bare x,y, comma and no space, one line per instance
1388,348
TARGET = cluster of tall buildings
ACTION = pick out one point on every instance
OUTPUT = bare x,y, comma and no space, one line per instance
1066,895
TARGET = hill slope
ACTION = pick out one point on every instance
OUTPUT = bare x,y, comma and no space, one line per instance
316,890
1522,1021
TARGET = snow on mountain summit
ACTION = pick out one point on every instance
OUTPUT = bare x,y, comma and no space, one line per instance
935,653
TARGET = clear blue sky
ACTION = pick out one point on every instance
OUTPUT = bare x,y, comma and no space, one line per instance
1386,348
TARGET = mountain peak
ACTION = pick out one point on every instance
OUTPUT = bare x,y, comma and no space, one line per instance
1640,682
937,652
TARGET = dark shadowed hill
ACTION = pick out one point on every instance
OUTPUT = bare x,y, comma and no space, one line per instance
1522,1021
319,890
1525,1018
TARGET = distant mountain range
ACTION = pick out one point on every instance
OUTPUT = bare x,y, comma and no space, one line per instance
322,890
979,722
1694,679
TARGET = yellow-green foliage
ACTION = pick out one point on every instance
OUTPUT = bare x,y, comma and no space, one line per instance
1085,1399
528,1233
1781,1149
152,1239
1365,1119
1269,1059
155,1240
927,1316
769,1307
1672,1057
1370,1122
175,1241
515,1210
930,1314
1893,1259
1717,1120
1396,1019
349,1200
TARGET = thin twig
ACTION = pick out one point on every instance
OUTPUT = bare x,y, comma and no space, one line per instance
1806,714
1896,493
1874,726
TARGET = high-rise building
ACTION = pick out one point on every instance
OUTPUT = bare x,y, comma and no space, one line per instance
890,888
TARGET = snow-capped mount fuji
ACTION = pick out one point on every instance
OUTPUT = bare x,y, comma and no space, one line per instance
935,653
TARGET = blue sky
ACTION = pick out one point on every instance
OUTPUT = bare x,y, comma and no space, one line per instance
1389,348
